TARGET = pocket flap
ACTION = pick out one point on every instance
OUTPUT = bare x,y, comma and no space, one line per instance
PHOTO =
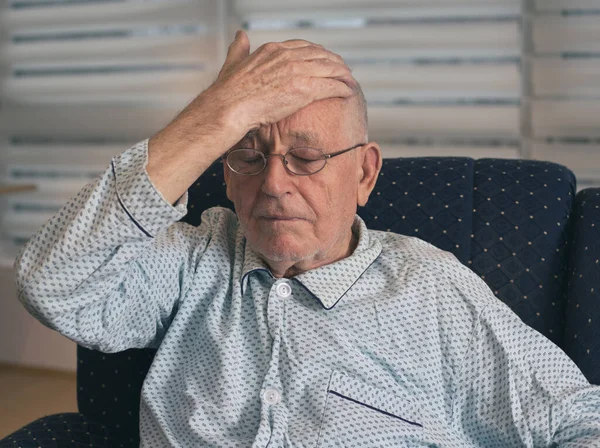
400,405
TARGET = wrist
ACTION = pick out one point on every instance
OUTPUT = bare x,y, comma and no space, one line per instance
228,114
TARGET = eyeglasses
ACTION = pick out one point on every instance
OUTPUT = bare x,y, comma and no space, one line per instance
299,161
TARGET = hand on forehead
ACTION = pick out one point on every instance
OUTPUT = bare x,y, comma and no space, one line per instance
278,80
323,123
279,85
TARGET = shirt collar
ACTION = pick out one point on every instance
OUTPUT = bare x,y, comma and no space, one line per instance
252,263
329,283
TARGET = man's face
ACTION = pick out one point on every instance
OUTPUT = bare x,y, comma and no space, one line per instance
290,219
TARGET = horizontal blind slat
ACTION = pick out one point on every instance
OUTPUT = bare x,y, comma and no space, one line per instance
387,123
583,159
411,36
568,118
244,7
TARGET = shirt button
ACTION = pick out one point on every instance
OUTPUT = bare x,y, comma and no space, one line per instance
284,290
272,396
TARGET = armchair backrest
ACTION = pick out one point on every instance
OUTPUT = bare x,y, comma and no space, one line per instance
508,220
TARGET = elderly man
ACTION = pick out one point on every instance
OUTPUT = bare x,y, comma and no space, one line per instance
289,323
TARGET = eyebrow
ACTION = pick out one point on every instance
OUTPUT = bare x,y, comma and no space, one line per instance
305,137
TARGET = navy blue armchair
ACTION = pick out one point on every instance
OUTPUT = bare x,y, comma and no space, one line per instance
518,224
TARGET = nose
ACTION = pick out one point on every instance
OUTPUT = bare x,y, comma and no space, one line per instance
277,180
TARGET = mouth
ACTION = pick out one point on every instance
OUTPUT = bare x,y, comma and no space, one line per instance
275,218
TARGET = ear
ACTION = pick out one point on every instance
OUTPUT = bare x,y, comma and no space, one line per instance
370,165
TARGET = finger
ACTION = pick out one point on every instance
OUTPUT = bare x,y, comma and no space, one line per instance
269,48
238,50
323,88
298,50
312,52
286,44
319,68
296,43
272,47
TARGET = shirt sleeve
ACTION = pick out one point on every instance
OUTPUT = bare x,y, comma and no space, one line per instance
108,270
516,388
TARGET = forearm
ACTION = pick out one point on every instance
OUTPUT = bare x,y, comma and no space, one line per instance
182,151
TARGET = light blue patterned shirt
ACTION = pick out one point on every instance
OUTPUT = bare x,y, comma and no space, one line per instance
397,345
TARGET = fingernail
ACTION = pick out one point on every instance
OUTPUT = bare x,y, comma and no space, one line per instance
237,34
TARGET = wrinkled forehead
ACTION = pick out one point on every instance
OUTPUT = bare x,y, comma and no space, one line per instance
320,124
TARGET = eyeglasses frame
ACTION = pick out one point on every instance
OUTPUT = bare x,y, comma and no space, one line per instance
326,157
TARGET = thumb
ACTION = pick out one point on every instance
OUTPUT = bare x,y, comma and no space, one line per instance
238,51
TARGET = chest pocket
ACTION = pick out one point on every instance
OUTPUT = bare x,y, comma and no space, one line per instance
360,415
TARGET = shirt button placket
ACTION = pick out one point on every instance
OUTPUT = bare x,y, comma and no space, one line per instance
271,396
281,291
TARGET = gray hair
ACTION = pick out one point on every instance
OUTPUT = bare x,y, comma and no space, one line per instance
361,109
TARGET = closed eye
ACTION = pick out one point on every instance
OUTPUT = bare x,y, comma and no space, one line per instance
306,155
302,159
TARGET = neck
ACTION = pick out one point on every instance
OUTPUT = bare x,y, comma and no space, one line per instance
291,268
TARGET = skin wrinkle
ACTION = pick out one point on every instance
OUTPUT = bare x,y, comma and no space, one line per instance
320,208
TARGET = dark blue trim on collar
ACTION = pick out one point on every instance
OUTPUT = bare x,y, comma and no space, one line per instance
250,272
343,294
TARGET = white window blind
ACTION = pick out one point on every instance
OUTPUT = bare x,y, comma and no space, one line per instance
440,77
565,87
81,80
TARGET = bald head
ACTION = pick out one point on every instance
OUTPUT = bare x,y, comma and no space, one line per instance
354,108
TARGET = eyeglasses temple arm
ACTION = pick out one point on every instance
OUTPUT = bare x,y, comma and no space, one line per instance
333,154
